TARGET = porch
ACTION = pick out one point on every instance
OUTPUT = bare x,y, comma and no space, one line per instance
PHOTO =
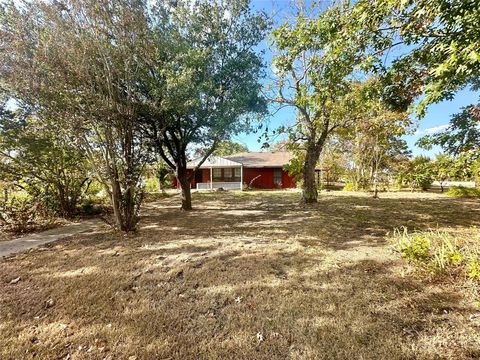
216,173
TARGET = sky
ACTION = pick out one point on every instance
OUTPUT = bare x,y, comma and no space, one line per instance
436,119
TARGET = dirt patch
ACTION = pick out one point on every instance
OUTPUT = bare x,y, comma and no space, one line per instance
250,275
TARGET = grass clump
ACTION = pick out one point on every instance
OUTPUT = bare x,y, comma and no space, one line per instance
463,192
441,251
349,186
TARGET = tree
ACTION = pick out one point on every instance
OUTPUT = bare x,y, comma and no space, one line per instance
443,169
314,64
215,72
441,42
374,140
462,134
224,148
84,65
41,160
419,173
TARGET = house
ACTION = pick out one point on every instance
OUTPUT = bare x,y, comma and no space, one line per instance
262,170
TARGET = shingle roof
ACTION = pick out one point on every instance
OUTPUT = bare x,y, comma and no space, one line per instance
262,159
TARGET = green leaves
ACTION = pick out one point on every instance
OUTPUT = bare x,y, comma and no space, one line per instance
462,135
441,39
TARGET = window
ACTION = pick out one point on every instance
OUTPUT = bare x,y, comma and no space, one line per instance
227,174
277,176
217,174
236,174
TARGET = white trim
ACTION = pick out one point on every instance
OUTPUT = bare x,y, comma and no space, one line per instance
213,162
241,177
211,178
216,185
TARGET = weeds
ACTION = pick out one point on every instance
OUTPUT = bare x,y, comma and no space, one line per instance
463,192
441,252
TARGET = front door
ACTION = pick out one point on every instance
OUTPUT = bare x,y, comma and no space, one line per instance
198,177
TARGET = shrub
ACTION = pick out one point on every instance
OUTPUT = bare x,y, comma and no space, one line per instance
463,192
349,186
414,248
474,268
440,251
21,215
152,185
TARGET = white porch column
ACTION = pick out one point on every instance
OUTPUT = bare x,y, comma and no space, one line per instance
211,179
241,177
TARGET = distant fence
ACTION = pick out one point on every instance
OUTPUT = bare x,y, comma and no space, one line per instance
467,184
218,185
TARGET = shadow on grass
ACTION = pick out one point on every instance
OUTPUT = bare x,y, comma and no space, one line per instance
228,305
339,222
251,278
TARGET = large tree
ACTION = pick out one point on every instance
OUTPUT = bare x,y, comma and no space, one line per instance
316,59
82,62
214,80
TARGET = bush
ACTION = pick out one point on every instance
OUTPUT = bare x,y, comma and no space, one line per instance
152,185
463,192
349,186
21,215
440,252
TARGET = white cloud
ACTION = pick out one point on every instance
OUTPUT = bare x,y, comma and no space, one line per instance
432,130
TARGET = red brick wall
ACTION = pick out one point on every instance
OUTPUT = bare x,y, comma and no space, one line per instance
265,181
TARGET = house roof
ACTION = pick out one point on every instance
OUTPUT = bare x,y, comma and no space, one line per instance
262,159
248,159
213,162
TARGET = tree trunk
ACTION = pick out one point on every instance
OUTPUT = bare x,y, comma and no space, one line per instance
184,182
375,182
310,194
116,204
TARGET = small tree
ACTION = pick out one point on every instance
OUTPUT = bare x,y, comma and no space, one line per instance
419,173
443,169
39,156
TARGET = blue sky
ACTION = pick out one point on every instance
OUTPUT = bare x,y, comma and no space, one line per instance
436,119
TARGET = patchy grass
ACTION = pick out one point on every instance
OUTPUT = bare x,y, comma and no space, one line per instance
252,275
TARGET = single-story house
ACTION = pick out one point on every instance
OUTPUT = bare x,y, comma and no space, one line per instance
262,170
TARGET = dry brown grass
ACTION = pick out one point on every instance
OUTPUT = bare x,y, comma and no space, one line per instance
249,275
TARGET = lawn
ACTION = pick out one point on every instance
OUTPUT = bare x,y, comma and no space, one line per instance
252,275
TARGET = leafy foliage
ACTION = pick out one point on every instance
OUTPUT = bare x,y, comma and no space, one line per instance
462,134
418,173
42,161
82,65
442,39
213,79
315,61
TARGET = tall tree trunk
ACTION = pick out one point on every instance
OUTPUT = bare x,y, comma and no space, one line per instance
184,181
310,193
129,206
116,204
375,184
130,216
